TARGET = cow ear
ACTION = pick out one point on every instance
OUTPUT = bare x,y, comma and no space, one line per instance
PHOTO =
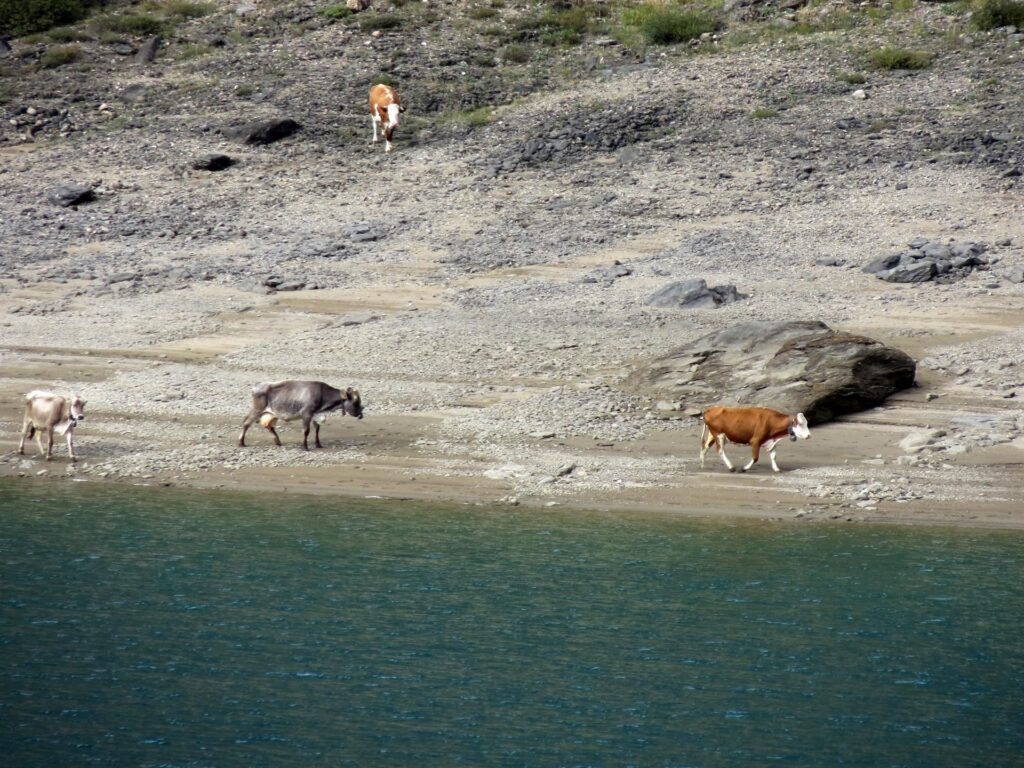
356,393
348,393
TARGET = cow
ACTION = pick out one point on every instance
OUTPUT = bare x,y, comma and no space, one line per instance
756,427
45,412
311,401
384,109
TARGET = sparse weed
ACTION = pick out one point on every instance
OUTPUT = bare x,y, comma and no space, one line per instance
992,14
763,113
382,78
193,51
470,118
244,91
137,24
482,12
516,54
60,55
852,78
68,35
900,58
370,22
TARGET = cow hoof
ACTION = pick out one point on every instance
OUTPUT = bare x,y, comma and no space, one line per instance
732,469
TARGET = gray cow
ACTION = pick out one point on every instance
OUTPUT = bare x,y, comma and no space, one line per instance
311,401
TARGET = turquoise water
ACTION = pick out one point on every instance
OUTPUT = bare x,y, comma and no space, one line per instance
143,627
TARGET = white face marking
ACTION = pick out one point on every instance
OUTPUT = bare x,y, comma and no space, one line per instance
800,429
392,115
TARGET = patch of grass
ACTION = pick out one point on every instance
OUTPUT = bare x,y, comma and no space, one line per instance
244,91
68,35
992,14
60,55
763,113
135,24
900,58
470,118
515,54
482,12
188,9
336,12
667,25
23,17
853,78
192,51
382,78
369,22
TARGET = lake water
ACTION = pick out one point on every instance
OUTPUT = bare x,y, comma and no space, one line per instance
145,627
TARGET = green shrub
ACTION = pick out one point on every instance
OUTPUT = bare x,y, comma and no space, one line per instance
667,26
900,58
382,79
136,24
763,113
336,12
992,14
23,17
373,21
60,55
188,9
516,54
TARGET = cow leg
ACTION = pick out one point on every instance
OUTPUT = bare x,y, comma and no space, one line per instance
707,439
306,421
27,431
277,437
374,120
71,444
721,452
246,423
770,446
49,444
316,434
755,453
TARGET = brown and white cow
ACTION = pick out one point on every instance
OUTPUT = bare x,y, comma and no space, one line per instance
384,109
45,412
756,427
311,401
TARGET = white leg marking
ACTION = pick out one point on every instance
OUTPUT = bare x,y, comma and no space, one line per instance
374,119
387,146
71,444
771,454
721,452
748,465
704,445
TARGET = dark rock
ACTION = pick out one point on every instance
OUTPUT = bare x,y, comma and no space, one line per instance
67,195
881,264
122,48
133,94
694,294
263,131
121,277
212,162
291,285
149,49
795,366
913,272
829,261
5,46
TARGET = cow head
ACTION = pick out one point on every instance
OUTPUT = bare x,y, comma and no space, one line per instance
352,405
798,428
76,411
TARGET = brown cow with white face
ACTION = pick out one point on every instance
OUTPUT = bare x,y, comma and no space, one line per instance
384,108
45,412
756,427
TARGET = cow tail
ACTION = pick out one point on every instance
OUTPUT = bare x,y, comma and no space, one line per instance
703,433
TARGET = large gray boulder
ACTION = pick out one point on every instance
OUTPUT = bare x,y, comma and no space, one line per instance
796,366
262,131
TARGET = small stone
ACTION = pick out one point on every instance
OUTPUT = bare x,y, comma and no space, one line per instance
860,93
212,162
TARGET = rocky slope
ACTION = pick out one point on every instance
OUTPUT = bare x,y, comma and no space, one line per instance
486,285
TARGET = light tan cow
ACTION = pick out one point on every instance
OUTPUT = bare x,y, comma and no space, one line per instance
45,412
385,106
